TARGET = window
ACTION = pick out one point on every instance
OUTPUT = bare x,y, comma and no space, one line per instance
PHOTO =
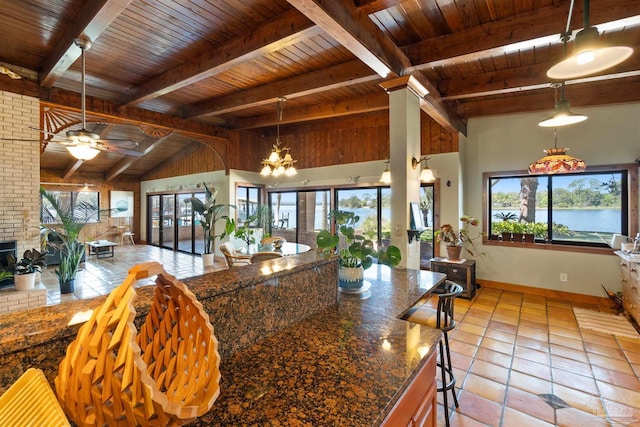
583,209
75,199
247,202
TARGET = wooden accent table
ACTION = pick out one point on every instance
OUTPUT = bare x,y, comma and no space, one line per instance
462,272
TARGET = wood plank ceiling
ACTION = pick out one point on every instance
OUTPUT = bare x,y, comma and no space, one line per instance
216,66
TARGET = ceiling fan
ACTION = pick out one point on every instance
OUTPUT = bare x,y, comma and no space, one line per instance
82,143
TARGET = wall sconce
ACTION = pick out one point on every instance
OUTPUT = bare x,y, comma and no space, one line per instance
427,174
385,178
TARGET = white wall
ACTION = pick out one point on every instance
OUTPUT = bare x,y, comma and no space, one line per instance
610,135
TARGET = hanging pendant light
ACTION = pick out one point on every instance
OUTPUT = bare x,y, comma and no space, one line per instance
385,178
590,55
562,115
556,161
279,161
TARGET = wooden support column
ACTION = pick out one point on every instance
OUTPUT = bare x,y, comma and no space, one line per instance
405,94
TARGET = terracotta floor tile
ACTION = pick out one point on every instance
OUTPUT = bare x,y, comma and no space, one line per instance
462,348
569,353
531,343
629,345
496,345
501,336
532,355
631,356
461,420
509,319
484,387
471,328
466,337
569,333
480,409
532,368
623,414
579,400
610,363
537,325
614,377
487,308
535,334
570,324
490,371
494,357
619,394
574,366
567,342
539,317
509,306
478,321
571,417
479,313
636,369
537,309
605,350
501,326
602,339
461,361
529,403
529,383
516,418
578,382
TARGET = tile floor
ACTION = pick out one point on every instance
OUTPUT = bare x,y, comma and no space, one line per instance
520,359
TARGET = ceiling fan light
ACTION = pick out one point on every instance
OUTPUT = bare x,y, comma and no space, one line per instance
83,151
589,56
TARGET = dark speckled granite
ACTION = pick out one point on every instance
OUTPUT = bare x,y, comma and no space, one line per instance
295,352
344,366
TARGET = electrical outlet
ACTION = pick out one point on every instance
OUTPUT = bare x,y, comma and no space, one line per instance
564,277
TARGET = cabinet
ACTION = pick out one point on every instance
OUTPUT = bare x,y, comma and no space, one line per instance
630,286
463,273
417,407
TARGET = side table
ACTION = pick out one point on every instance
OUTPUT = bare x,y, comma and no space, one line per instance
462,272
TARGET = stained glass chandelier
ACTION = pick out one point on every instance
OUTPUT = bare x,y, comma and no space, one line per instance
557,161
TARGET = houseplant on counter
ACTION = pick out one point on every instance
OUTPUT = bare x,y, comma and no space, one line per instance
71,218
25,269
356,252
455,241
210,213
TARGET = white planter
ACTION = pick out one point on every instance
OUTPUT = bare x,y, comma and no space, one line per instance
208,260
25,282
351,277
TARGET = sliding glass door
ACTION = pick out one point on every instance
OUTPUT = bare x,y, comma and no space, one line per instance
172,223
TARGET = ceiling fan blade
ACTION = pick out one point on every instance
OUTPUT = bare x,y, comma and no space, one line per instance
105,146
118,142
19,140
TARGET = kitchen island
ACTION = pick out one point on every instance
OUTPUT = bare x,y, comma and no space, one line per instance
294,351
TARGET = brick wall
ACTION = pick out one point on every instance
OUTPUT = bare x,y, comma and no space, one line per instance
20,171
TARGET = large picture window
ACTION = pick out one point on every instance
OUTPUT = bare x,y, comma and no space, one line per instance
574,209
92,198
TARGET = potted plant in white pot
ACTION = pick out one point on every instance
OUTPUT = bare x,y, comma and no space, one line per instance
72,219
356,252
210,213
25,269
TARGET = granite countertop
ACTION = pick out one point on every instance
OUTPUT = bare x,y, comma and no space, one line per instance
345,366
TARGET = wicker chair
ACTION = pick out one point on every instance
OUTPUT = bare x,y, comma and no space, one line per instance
233,257
167,374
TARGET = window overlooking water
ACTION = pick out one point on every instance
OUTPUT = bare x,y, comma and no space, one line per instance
579,209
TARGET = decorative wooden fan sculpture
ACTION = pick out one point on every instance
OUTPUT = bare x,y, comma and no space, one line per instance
165,375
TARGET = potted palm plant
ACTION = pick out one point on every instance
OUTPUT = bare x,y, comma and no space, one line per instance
72,219
25,269
356,252
210,213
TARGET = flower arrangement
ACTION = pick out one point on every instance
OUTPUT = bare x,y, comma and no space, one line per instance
451,237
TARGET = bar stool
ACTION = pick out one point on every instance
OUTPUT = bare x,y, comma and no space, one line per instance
442,318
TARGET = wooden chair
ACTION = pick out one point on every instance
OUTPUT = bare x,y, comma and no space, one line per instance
125,235
167,374
31,402
263,256
233,257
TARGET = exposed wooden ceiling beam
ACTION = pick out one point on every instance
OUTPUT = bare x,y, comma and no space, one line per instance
146,146
539,27
90,21
364,104
373,6
357,33
289,28
74,165
600,93
341,75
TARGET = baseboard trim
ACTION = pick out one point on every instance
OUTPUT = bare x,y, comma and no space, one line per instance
548,293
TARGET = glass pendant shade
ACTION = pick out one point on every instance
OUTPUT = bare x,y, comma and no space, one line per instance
427,175
83,151
557,161
386,176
